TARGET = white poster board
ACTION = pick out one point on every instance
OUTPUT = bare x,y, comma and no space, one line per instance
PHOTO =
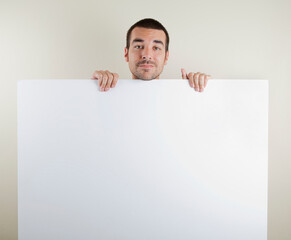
148,160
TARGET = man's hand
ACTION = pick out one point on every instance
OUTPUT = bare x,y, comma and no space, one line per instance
197,80
106,79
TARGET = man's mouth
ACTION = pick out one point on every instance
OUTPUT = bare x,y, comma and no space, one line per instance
146,66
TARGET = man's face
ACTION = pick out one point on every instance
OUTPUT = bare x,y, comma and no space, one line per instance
146,56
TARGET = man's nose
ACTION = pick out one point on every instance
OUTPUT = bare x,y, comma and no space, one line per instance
146,54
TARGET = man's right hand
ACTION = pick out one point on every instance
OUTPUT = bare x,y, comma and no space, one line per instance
106,79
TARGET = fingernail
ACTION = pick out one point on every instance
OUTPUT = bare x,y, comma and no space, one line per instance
106,89
101,89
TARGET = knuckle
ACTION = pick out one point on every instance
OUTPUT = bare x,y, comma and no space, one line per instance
96,74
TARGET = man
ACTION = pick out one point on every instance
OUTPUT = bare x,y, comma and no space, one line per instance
147,52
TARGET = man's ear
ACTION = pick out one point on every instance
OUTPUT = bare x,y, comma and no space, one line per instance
126,54
166,57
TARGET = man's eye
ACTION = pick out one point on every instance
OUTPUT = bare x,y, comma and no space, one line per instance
137,46
156,48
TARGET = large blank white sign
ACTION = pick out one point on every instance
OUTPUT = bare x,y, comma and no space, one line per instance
148,160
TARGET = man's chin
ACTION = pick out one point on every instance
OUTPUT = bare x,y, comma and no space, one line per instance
147,76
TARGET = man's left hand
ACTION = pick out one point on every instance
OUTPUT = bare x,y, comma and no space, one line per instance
197,80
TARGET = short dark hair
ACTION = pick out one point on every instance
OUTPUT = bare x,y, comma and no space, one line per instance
151,24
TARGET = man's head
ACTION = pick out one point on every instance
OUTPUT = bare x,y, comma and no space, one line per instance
146,51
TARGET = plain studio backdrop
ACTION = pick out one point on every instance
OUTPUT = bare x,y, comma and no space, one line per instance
71,39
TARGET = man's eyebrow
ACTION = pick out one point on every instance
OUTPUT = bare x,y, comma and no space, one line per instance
158,41
141,40
137,40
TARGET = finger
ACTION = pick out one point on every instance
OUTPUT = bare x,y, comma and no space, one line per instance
191,79
104,81
196,86
115,79
201,82
206,80
184,73
109,81
98,75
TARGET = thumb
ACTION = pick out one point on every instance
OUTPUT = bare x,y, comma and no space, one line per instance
184,74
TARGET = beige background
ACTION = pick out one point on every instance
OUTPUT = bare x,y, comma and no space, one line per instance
71,39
